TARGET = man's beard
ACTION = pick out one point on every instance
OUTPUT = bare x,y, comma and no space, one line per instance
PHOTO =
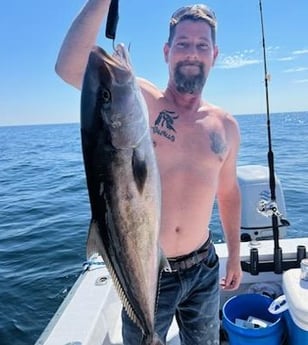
189,83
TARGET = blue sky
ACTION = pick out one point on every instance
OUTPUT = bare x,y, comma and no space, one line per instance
32,31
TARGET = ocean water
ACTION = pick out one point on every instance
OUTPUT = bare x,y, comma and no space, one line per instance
44,210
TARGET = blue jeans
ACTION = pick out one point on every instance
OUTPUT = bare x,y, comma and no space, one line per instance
192,295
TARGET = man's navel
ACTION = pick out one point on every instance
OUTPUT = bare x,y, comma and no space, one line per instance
177,230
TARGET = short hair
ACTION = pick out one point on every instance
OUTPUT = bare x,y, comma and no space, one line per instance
197,12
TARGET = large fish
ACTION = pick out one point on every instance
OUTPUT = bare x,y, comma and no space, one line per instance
123,183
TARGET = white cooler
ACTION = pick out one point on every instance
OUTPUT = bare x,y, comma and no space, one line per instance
296,317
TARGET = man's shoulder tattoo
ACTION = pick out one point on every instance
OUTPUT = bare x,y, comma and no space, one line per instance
218,146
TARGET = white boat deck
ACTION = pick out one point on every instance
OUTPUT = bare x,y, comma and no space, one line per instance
90,314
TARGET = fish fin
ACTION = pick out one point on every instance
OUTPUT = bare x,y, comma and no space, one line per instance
94,246
93,240
140,170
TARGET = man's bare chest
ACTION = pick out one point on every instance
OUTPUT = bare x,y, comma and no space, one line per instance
173,136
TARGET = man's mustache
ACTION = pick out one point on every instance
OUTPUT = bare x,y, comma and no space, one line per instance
190,63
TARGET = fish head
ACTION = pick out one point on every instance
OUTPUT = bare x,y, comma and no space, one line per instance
116,97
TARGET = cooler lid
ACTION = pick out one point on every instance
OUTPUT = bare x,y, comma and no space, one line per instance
296,292
252,173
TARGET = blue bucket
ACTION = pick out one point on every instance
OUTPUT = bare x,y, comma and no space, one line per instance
256,305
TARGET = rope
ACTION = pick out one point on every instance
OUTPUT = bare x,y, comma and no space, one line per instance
94,262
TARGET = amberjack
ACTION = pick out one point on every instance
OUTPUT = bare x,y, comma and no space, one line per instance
123,183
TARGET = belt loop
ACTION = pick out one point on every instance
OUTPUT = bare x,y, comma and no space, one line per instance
195,259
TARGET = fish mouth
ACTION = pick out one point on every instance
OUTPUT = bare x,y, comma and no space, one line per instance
122,55
118,64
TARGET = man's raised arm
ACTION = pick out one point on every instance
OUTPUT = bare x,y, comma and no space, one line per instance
78,42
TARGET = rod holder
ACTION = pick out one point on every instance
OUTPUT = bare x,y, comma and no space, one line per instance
254,261
254,266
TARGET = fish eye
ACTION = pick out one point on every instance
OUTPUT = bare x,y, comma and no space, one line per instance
106,95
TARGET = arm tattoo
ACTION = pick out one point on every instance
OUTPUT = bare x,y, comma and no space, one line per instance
217,144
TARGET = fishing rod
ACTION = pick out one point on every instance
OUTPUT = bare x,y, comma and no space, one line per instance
269,208
270,156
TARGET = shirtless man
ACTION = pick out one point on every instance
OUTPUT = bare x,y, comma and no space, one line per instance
196,146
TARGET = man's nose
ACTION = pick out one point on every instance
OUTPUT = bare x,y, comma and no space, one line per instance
192,52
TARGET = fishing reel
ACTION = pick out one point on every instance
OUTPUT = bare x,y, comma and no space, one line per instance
268,208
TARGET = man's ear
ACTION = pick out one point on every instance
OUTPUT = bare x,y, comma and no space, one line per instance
166,52
216,52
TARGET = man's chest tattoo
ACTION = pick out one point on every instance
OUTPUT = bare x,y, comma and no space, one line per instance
164,125
217,144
